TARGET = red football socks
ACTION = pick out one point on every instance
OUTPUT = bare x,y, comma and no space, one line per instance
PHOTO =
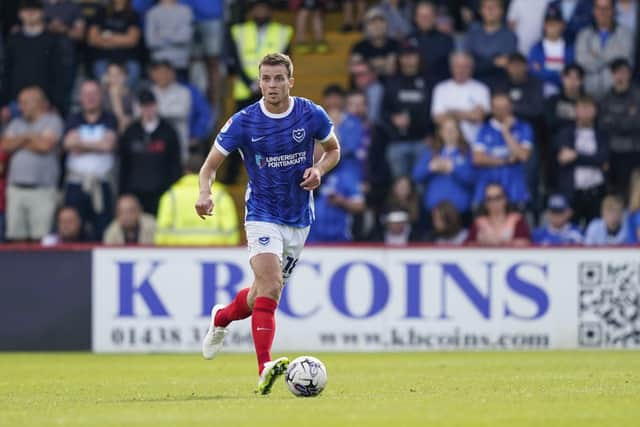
263,328
238,309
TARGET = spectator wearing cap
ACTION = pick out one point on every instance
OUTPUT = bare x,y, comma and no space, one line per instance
32,141
611,227
501,150
131,225
397,227
114,36
462,96
525,18
549,56
407,96
90,144
34,57
435,47
582,153
619,118
174,101
600,44
149,155
377,48
558,229
168,32
577,14
490,42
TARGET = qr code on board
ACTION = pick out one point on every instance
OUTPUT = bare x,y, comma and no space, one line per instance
609,310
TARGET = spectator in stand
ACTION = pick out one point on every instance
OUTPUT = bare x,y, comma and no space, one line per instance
338,198
69,228
398,18
498,224
619,118
611,227
117,97
446,171
627,15
356,108
32,141
435,46
526,92
406,97
201,120
209,35
397,228
131,226
500,152
149,155
114,36
64,18
168,32
377,48
90,143
366,81
577,14
174,101
491,42
4,163
634,207
178,226
552,54
461,96
353,21
525,18
582,153
560,109
558,229
447,225
304,8
600,44
248,43
404,197
33,57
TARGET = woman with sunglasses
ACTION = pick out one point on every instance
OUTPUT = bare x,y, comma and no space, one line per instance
497,224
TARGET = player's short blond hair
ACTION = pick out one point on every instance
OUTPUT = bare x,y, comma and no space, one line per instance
278,59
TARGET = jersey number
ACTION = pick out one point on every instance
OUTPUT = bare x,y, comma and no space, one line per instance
290,265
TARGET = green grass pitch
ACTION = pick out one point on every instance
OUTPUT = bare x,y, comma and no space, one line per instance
399,389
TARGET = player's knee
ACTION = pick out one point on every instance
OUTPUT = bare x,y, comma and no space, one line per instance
269,285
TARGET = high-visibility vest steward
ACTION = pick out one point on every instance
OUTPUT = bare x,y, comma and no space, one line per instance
251,49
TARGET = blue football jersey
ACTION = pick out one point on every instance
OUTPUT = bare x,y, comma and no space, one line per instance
276,149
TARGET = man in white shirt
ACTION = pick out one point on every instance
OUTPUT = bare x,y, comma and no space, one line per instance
461,96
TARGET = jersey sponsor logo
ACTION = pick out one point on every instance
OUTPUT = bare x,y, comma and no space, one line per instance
254,139
281,161
298,134
226,125
264,240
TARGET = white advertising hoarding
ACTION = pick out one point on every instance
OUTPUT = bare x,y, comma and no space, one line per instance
374,299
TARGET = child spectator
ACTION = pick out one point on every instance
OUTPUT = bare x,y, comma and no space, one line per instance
582,154
168,33
549,56
447,225
131,226
117,97
501,151
558,229
577,14
114,36
303,9
611,227
497,224
445,169
397,228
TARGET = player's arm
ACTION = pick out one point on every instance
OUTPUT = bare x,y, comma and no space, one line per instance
204,205
329,159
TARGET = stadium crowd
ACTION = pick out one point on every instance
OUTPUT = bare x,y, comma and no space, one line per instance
464,122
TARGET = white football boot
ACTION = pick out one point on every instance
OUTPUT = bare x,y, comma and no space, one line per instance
212,342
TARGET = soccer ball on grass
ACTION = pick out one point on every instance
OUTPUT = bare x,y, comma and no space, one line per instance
306,376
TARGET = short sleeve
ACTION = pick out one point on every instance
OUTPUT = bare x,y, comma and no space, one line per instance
230,137
323,125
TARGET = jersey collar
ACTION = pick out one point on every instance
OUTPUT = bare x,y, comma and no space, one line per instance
279,115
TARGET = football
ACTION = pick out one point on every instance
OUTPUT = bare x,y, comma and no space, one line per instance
306,376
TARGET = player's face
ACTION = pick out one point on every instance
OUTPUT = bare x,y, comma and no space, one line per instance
275,83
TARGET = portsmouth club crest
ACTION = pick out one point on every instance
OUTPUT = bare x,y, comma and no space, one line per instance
298,134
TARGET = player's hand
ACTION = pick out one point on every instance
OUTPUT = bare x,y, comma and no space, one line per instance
310,179
204,206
